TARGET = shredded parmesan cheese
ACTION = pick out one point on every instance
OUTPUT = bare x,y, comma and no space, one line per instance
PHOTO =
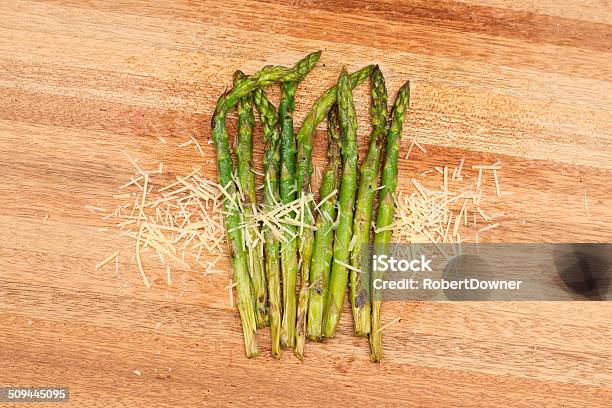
169,219
586,205
438,215
197,145
347,266
94,209
387,325
421,148
107,260
496,182
488,227
138,261
410,148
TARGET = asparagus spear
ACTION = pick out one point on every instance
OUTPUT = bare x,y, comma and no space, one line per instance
385,209
246,178
317,113
271,131
348,188
289,262
300,325
304,161
311,300
313,296
324,235
246,305
362,220
266,76
224,169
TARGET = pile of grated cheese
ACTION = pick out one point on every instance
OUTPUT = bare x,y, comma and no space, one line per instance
447,209
181,220
175,222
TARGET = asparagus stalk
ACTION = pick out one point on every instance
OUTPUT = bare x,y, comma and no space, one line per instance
362,220
317,113
304,162
386,206
240,272
271,132
266,76
300,325
246,178
289,262
324,235
348,188
220,137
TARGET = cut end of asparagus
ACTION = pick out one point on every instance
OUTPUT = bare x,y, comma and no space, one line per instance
275,335
250,339
362,321
275,323
376,353
251,350
298,350
331,321
376,356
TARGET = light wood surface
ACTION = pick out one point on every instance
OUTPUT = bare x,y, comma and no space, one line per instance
527,83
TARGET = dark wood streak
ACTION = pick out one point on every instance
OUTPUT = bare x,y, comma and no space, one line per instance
494,21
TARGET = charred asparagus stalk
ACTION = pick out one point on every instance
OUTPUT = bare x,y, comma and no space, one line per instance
362,220
246,305
348,188
324,234
289,262
386,206
220,137
246,178
266,76
300,325
271,132
311,301
317,113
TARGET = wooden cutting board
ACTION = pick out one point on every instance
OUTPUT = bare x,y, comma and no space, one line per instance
526,83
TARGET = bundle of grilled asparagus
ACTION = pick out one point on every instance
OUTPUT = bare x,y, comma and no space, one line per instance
287,235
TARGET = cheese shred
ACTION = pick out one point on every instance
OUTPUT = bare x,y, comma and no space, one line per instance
107,260
175,222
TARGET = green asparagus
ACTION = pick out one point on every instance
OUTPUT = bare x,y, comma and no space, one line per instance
324,235
289,262
362,220
246,178
220,137
266,76
266,289
300,321
386,206
304,162
271,131
246,305
348,187
317,113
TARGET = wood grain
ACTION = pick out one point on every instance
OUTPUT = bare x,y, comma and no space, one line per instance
528,83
